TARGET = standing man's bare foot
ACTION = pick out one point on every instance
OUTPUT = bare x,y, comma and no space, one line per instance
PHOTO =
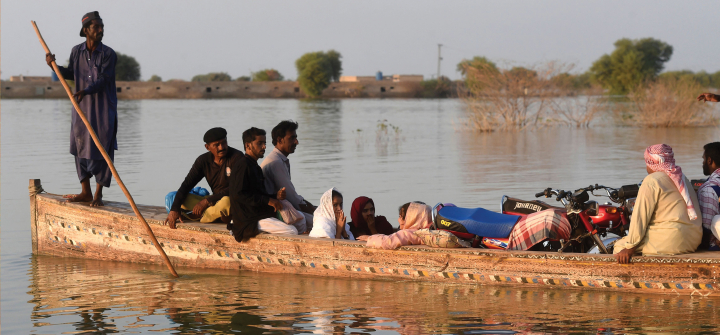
97,201
84,196
78,197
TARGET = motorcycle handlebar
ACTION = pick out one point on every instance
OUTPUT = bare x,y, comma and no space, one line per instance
540,194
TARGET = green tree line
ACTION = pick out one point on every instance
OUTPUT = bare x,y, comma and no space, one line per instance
631,64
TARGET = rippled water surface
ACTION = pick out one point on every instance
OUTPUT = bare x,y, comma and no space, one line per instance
393,151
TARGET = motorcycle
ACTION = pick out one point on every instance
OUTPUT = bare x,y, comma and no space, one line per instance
590,222
614,220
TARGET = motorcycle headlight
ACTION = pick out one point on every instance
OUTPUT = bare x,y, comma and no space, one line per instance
630,204
593,208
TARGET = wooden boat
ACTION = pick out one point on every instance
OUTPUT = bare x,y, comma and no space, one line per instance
112,232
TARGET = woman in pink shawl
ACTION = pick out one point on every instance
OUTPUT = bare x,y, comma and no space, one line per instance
413,217
665,217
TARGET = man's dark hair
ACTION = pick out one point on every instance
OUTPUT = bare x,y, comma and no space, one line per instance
712,150
282,129
250,134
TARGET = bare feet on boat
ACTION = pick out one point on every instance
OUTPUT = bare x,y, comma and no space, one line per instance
78,197
97,203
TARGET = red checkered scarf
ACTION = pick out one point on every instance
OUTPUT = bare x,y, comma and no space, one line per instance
660,158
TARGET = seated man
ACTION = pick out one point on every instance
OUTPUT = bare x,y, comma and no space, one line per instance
665,220
252,208
213,166
276,167
708,196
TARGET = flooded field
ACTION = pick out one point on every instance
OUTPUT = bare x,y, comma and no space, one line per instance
393,151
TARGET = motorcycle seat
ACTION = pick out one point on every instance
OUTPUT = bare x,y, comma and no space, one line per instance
478,221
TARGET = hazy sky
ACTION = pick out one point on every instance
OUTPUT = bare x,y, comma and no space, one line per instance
179,39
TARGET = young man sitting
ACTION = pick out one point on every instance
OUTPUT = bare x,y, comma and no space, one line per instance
276,167
252,208
213,166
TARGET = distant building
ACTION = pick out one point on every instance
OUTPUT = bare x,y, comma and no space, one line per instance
395,78
354,79
30,78
407,77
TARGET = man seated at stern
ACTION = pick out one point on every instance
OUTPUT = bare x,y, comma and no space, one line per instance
708,197
276,167
252,208
666,217
214,167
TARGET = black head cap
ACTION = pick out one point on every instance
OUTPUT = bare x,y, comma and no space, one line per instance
86,19
214,134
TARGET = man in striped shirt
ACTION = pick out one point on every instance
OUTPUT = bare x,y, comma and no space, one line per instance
708,194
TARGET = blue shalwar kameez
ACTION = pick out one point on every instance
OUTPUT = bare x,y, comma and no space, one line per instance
95,74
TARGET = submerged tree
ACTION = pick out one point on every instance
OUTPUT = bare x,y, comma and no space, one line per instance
267,75
212,76
316,70
314,77
630,64
477,62
126,68
335,64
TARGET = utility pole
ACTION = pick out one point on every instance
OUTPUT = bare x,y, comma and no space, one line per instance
439,59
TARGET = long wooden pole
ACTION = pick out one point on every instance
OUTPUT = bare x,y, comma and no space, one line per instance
105,155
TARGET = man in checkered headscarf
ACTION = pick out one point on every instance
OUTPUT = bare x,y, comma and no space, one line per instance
664,219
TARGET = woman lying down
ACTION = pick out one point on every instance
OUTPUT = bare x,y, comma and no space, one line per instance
413,216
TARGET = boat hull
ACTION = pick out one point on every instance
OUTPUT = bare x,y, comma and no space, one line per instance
114,233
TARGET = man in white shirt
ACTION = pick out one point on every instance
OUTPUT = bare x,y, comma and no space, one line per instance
276,167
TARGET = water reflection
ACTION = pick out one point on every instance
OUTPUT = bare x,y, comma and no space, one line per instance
85,296
523,163
321,137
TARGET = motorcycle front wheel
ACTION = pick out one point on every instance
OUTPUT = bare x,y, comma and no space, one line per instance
599,243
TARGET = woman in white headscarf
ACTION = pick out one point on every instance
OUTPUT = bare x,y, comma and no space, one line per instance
329,218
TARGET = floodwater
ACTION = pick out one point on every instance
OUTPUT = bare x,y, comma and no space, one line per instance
393,151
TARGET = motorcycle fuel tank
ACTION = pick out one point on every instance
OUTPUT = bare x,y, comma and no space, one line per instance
608,216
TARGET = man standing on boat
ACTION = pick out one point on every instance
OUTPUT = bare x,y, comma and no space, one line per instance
214,166
708,196
92,67
276,167
253,209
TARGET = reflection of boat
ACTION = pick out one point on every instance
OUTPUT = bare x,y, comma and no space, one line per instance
91,296
113,233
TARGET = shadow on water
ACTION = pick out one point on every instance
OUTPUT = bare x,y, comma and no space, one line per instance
86,296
